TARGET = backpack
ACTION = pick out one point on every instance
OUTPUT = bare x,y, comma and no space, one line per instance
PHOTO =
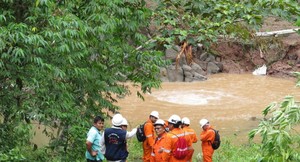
181,148
217,142
140,134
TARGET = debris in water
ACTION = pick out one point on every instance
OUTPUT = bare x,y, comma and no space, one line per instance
260,71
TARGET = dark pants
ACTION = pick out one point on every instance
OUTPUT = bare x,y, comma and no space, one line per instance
89,160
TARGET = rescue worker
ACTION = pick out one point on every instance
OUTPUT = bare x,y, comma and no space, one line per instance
166,126
174,123
150,136
207,136
158,155
130,134
191,133
113,142
124,126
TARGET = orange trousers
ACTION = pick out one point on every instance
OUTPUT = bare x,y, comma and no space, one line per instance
147,152
207,155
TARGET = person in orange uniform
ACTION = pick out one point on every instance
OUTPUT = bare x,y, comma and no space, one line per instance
158,155
174,123
207,136
166,126
150,136
191,133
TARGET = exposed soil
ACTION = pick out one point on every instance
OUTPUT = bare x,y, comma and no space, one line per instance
281,54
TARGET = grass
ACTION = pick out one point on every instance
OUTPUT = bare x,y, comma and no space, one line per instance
226,153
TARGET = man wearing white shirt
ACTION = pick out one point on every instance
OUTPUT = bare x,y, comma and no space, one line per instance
113,142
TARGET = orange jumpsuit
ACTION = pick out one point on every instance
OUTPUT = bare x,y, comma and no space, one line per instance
191,133
149,142
171,144
207,136
158,155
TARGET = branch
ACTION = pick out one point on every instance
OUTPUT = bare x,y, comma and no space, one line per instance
276,33
149,41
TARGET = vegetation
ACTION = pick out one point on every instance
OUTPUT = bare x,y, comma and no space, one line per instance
227,152
187,23
280,139
62,62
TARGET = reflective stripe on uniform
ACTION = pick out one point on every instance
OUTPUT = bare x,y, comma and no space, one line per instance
188,133
149,136
178,135
167,151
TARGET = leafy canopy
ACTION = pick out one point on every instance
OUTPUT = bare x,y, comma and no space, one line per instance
62,62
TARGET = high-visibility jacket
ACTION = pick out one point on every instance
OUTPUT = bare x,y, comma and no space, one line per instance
207,137
158,154
191,133
149,142
171,144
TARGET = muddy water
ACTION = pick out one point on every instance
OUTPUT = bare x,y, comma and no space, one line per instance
231,102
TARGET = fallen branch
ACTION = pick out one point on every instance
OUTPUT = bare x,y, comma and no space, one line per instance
149,41
276,33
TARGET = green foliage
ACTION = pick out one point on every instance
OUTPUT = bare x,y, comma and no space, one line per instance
229,152
204,21
63,62
13,155
297,74
135,150
280,141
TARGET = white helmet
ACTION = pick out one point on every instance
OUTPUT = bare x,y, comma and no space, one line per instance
117,120
124,122
186,121
155,114
159,122
174,119
203,122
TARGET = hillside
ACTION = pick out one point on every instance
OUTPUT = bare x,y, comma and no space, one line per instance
281,54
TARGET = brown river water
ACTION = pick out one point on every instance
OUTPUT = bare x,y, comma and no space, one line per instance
231,102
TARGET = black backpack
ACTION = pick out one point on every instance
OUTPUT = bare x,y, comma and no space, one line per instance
217,142
140,134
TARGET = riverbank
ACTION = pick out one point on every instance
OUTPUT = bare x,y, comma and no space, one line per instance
281,54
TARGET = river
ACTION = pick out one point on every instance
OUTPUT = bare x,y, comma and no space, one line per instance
233,103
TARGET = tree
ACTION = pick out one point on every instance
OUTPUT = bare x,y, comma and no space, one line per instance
188,23
280,141
62,62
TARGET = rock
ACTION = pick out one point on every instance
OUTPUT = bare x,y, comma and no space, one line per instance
203,56
175,75
197,68
210,58
164,75
199,77
212,68
171,54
